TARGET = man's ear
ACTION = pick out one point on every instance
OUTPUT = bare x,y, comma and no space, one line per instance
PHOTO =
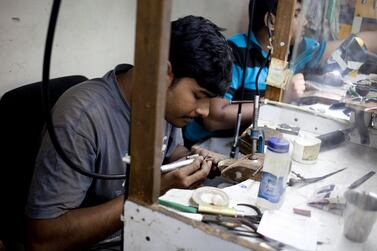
169,75
272,20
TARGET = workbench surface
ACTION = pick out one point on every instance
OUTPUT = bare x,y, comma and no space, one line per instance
357,159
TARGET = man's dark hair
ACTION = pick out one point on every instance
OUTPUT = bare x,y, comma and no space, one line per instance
198,50
261,8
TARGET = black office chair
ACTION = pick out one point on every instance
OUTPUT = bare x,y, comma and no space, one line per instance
21,124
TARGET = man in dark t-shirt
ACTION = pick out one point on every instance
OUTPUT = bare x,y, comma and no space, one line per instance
69,211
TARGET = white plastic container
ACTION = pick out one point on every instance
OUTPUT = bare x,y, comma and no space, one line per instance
306,149
274,175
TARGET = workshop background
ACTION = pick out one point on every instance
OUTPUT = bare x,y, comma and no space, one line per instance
92,36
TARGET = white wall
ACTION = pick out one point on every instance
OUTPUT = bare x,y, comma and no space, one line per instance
92,36
228,14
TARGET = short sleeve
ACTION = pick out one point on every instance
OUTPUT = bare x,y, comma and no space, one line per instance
56,187
175,139
234,85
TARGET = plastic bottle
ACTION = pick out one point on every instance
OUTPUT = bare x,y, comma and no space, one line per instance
274,175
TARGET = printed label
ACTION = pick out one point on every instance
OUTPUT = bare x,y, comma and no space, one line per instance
271,187
310,152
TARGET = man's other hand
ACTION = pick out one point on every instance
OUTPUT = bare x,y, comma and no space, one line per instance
295,88
188,176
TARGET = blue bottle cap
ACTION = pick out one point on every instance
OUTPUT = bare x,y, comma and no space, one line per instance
278,145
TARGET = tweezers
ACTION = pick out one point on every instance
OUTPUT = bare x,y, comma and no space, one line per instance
305,181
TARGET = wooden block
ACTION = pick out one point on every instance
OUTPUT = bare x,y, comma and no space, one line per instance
365,10
303,212
344,30
243,168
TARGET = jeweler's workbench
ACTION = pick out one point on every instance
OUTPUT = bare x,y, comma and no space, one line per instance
357,160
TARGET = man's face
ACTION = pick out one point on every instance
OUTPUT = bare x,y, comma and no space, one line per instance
186,100
296,28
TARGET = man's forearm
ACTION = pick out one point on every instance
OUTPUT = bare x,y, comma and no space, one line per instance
227,118
369,38
75,229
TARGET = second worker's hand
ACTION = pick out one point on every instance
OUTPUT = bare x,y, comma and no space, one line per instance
295,88
187,176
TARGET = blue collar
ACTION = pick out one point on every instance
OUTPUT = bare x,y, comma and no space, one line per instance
254,40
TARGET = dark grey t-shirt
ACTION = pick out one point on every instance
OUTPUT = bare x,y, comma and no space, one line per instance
92,122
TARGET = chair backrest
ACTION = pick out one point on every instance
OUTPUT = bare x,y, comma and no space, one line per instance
21,124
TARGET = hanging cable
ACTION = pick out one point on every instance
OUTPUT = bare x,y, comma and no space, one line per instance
234,149
47,105
255,131
270,50
235,145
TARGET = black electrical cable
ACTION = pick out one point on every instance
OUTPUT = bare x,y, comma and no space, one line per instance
269,32
239,114
260,69
47,105
245,60
268,55
267,59
234,148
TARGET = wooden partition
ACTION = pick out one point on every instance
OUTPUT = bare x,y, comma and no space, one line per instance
282,37
148,98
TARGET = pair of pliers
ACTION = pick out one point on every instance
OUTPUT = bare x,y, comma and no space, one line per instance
250,221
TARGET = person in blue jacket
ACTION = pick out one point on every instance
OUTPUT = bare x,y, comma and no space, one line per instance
69,211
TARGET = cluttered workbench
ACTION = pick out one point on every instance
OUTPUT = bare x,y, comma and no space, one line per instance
307,220
356,159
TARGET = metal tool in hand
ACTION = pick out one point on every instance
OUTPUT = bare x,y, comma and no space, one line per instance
302,181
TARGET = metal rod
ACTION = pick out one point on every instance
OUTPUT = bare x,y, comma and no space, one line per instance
241,102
